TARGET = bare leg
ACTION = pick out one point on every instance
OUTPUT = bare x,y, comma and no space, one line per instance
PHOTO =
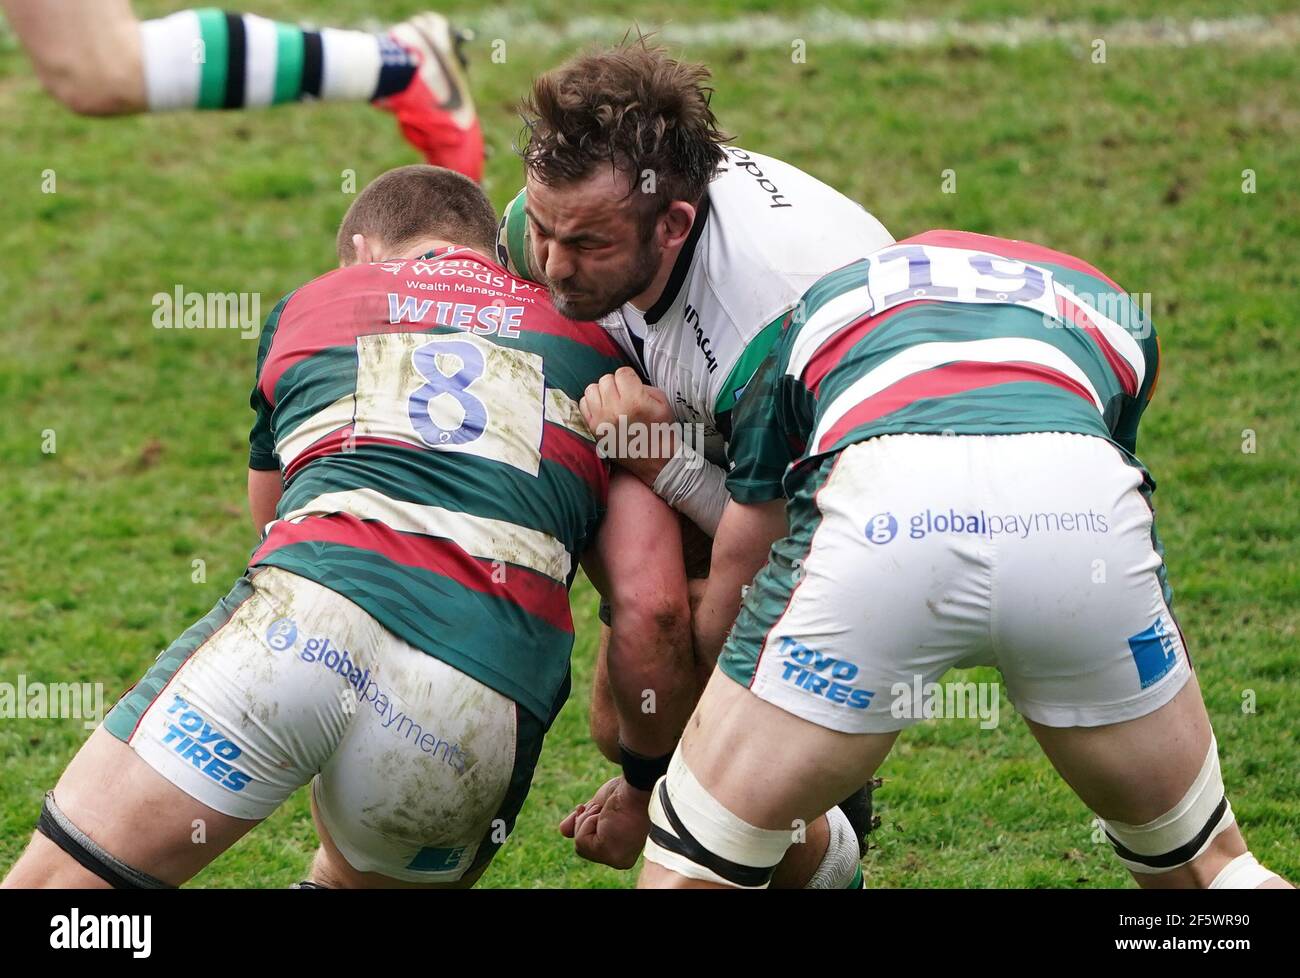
86,52
1134,772
134,813
768,767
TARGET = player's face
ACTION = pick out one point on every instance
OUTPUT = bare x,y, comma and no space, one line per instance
589,245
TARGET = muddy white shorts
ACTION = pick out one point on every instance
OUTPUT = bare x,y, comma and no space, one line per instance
911,554
417,770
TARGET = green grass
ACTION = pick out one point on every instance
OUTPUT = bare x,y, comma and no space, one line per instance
1135,165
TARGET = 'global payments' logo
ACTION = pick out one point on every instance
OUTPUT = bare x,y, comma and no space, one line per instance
881,528
281,634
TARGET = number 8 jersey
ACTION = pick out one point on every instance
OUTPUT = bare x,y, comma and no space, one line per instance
437,472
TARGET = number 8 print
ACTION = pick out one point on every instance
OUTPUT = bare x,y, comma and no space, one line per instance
453,385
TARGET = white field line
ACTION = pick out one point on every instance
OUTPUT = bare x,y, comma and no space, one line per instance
831,27
518,25
821,26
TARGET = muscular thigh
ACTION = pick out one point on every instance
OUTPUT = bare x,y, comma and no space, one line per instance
131,812
769,766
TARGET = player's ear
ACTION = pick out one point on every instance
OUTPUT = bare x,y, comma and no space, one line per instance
675,223
363,250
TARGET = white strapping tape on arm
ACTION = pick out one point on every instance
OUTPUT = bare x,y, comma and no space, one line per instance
695,487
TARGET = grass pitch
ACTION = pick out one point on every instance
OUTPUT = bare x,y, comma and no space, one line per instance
1140,164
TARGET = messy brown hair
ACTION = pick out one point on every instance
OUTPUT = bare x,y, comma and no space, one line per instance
631,106
404,205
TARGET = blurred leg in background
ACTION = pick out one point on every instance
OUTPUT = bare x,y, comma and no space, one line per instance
96,58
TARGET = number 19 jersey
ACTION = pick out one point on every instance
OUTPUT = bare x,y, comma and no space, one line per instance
437,471
947,332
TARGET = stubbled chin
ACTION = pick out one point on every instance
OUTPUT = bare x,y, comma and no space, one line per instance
571,311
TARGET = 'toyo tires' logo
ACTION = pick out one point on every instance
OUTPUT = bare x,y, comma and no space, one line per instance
881,528
282,634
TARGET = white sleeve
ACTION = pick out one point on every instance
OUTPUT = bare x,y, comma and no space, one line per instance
695,487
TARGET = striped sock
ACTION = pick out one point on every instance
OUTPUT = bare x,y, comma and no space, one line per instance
209,59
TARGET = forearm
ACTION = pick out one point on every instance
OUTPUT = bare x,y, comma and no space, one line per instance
637,564
653,685
745,536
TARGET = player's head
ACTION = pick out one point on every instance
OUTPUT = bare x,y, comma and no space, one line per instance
407,211
619,148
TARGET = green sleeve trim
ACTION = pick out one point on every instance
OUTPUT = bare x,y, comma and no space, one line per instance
750,493
216,57
262,462
289,51
261,440
750,360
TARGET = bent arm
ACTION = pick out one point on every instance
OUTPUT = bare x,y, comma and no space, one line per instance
745,535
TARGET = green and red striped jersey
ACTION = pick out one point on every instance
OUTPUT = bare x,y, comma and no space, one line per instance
946,332
437,471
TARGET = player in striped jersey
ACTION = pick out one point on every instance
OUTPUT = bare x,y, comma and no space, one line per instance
401,639
98,59
954,423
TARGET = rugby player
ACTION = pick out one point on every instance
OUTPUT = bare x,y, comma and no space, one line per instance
98,59
691,251
401,638
953,422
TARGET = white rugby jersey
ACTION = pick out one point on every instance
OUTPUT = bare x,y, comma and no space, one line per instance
765,232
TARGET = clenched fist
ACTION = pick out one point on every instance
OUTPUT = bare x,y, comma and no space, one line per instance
632,422
612,827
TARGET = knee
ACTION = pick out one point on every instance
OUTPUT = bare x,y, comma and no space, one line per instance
87,95
90,80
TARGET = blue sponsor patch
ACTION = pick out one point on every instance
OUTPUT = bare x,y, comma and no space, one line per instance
1155,652
435,860
193,737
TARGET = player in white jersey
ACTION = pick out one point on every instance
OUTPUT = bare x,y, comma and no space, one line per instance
691,252
763,233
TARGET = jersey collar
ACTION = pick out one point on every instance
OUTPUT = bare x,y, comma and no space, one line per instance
457,250
680,267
